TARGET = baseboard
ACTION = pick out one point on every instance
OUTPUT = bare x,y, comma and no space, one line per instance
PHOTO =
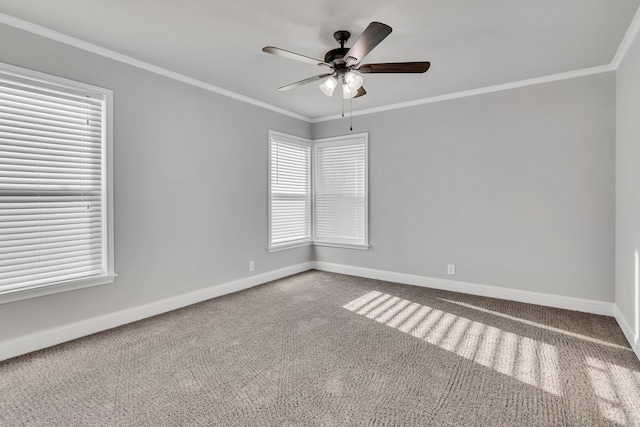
47,338
530,297
634,340
37,341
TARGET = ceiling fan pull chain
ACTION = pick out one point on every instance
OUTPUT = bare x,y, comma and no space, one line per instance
342,107
351,115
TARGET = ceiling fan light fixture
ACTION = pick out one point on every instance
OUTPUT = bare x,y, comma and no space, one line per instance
353,80
329,85
348,93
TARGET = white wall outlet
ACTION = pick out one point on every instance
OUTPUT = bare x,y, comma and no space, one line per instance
451,269
251,265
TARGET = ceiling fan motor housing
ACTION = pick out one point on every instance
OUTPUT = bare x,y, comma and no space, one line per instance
337,54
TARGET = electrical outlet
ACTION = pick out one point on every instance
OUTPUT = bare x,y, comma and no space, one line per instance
451,269
251,265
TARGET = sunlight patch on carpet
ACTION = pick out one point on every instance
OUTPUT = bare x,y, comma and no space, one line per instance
523,358
538,325
617,389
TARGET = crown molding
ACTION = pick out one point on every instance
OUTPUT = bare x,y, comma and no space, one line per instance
479,91
628,39
98,50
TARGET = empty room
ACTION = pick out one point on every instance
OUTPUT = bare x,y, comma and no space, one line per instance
415,213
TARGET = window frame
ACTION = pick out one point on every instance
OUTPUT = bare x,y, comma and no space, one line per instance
293,140
343,140
108,266
335,141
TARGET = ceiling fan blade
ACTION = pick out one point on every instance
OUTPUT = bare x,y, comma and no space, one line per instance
370,38
303,82
295,56
361,92
395,67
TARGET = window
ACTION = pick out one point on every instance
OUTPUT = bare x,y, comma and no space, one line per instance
340,191
55,202
289,191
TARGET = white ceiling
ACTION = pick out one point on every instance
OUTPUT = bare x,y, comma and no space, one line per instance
471,44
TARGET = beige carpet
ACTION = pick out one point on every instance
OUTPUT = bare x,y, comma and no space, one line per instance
321,349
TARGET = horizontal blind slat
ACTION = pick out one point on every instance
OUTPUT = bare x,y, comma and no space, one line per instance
17,266
28,161
27,251
43,241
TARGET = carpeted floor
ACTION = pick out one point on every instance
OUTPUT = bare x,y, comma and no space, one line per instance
322,349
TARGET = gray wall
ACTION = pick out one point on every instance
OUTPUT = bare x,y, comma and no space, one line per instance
190,187
516,188
628,188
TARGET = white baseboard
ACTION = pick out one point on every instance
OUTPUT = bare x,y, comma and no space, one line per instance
634,340
539,298
530,297
47,338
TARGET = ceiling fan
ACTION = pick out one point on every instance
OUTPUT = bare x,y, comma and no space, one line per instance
344,63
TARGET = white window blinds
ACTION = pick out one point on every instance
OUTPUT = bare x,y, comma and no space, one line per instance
340,203
290,191
53,215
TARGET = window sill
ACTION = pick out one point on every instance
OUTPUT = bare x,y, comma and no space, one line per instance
42,290
285,246
328,244
343,245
